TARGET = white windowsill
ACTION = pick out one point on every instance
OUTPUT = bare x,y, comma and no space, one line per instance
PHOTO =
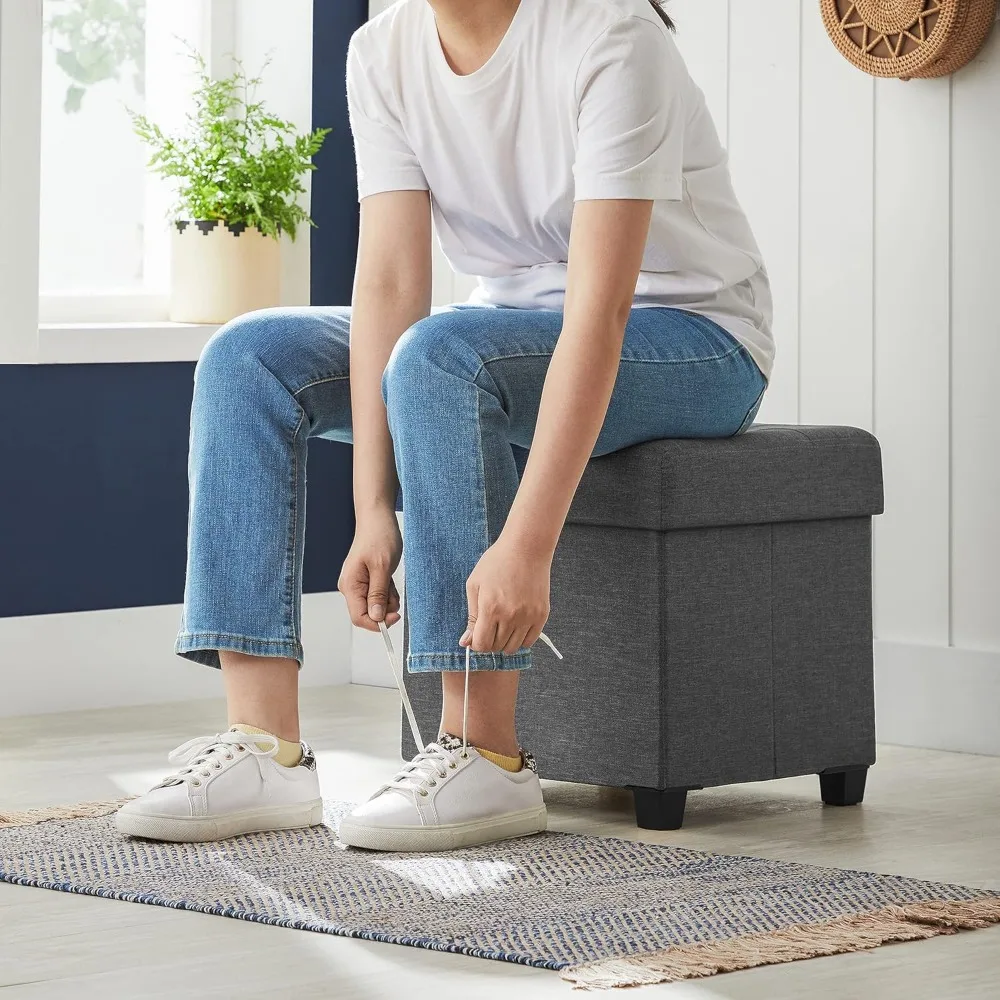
104,343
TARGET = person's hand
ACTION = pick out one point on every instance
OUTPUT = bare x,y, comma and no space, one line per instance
508,595
366,577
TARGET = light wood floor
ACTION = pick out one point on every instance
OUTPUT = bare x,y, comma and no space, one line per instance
929,815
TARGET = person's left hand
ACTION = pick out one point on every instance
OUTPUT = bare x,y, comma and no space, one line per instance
508,595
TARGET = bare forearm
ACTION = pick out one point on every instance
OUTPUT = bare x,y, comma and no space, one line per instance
392,291
379,318
606,248
574,402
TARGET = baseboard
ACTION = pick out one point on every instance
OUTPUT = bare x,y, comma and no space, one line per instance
102,659
939,697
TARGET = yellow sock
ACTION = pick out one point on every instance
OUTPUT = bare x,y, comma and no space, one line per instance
507,763
289,754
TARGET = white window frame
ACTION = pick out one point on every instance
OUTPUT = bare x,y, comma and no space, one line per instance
20,146
104,319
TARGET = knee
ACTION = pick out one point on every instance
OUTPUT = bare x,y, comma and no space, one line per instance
239,343
435,348
288,345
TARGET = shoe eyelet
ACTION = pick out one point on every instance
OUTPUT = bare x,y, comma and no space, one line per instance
197,784
229,756
432,783
241,749
217,766
464,755
453,765
424,792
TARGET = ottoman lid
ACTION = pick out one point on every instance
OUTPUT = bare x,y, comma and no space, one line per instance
773,472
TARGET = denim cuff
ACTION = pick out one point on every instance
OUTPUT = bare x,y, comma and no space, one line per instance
203,647
425,663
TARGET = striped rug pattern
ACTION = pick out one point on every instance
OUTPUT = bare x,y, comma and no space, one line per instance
602,912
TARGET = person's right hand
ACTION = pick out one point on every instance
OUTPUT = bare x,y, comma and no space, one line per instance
366,577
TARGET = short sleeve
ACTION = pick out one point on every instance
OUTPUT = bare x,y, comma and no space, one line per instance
629,89
384,158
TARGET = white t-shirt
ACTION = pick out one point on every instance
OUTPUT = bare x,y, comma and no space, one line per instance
582,100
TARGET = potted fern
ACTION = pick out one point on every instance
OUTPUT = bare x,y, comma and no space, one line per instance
238,170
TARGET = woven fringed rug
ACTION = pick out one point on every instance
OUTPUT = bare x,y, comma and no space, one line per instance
601,912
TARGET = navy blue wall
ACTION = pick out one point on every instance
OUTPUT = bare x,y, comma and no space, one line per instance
93,490
334,196
93,507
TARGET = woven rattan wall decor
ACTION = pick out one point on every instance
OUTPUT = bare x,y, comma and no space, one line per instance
909,38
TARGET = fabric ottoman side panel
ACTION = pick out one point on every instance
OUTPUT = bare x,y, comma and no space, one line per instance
594,716
716,633
823,653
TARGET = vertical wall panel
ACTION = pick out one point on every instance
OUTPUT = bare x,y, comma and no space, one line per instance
443,287
835,312
703,38
464,287
976,353
764,152
912,318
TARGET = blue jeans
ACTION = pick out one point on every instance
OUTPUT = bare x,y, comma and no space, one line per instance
462,390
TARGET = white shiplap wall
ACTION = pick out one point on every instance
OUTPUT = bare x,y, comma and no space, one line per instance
877,206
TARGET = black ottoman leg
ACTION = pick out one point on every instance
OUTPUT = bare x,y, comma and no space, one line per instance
659,808
845,787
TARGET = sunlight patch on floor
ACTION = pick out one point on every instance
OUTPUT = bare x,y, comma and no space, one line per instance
450,877
137,782
349,776
255,889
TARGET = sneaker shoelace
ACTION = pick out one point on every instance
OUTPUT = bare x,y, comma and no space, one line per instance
202,754
430,766
432,760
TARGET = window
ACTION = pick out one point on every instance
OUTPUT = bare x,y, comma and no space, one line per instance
104,248
84,240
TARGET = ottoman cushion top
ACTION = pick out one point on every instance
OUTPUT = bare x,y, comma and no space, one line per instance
773,472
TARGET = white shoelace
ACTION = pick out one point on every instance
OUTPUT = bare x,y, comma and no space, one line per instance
201,754
434,752
430,765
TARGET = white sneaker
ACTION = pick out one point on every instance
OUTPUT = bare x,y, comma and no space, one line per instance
447,797
228,786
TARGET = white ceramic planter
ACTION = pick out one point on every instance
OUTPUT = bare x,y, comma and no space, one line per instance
221,271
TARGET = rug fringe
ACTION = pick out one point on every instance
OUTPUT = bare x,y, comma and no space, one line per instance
910,922
81,810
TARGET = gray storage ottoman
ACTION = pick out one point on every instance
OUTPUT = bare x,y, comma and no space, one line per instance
712,600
